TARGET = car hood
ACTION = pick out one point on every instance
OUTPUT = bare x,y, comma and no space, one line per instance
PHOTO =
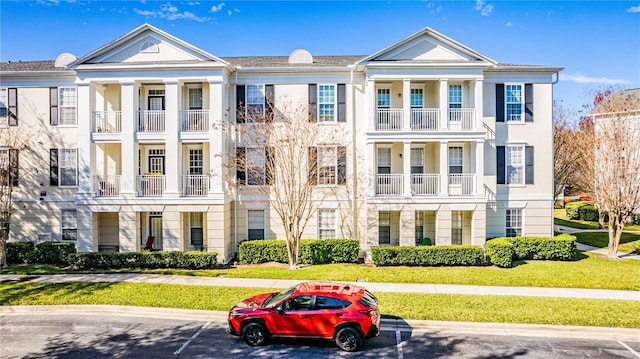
255,301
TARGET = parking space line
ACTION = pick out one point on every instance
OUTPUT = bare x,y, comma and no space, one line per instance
629,349
204,326
399,344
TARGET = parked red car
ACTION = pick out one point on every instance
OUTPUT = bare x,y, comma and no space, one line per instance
345,313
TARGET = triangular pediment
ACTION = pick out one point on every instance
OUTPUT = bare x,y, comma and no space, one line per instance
147,44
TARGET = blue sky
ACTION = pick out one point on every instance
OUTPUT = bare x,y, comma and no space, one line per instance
598,42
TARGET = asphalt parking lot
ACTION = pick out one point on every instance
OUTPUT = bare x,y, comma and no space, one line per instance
100,336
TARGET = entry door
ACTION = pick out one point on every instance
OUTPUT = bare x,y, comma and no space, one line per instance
155,228
156,103
156,164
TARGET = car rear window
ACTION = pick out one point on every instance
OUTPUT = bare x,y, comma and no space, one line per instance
368,299
331,303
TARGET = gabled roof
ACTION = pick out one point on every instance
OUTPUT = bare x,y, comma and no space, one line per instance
101,54
619,102
30,66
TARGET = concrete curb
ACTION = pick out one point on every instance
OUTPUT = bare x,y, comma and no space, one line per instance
436,327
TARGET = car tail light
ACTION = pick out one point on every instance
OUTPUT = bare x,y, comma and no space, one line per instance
368,312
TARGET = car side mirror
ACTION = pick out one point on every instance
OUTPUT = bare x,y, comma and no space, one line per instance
279,309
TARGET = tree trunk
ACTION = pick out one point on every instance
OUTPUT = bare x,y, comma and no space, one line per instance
3,253
601,215
615,232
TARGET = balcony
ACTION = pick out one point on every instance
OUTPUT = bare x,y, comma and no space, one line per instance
425,119
425,184
389,184
106,186
194,121
151,185
195,185
151,121
107,121
462,184
389,119
461,119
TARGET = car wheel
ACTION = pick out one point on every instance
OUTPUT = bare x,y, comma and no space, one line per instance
254,334
348,339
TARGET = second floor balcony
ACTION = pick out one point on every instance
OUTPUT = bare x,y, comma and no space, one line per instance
425,119
426,184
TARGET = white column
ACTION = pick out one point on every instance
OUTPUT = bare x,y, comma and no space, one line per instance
444,168
173,160
479,111
444,104
371,159
479,167
84,140
370,103
406,169
129,153
406,104
216,133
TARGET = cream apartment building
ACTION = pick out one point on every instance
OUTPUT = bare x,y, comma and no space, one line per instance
429,139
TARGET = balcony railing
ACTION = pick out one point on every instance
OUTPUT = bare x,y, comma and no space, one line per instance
151,121
425,184
151,185
461,119
107,121
194,121
106,186
389,119
195,185
425,119
389,184
462,184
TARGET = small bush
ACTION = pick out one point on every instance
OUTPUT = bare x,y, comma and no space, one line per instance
500,251
312,251
573,209
428,256
55,253
144,260
588,213
504,250
425,241
21,252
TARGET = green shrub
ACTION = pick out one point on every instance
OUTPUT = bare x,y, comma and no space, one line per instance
501,252
588,213
312,251
573,209
21,252
425,241
55,253
428,256
636,219
144,260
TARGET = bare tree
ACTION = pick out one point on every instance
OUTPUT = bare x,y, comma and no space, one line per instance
566,155
292,162
615,137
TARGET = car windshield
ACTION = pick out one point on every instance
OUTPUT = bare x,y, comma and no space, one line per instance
278,297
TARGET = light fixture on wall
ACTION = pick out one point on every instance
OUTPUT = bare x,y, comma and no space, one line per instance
400,94
401,155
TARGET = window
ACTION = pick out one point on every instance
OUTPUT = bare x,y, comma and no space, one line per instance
149,47
384,227
255,101
255,165
195,98
384,98
196,232
455,96
255,224
515,165
384,160
326,103
514,222
326,224
417,160
195,161
302,302
456,227
417,99
68,162
455,160
419,226
4,107
327,165
69,225
67,106
513,102
330,303
9,166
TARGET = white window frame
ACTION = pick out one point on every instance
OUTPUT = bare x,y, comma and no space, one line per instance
453,160
507,102
378,157
195,98
249,163
509,223
65,224
327,224
64,106
510,167
411,97
196,220
262,215
70,163
387,223
378,93
149,47
4,107
455,96
327,103
327,157
455,217
195,160
253,101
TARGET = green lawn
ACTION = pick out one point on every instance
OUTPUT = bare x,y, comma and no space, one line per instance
560,219
501,309
629,242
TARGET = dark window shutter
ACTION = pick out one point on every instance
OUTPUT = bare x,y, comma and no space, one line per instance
240,103
499,102
528,103
500,164
268,165
342,165
313,166
13,106
268,99
240,165
13,166
53,106
53,166
342,106
528,165
313,102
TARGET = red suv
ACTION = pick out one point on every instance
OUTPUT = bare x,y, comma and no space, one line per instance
345,313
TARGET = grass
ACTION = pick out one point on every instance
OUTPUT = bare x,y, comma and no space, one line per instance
586,272
500,309
629,242
560,219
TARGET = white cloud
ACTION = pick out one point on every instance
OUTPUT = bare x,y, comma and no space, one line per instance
634,9
509,24
171,12
229,12
484,8
479,4
216,8
583,79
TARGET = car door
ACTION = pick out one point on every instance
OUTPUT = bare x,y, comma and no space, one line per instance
327,313
292,318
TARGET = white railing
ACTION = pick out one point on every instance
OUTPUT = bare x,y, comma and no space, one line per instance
462,184
425,119
425,184
195,185
151,121
389,119
389,184
107,121
194,121
151,185
461,119
106,186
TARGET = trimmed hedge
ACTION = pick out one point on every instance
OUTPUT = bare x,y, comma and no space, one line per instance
588,213
55,253
144,260
573,209
465,255
504,250
312,251
21,252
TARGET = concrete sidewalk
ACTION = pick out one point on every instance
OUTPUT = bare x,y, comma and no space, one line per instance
374,287
597,250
